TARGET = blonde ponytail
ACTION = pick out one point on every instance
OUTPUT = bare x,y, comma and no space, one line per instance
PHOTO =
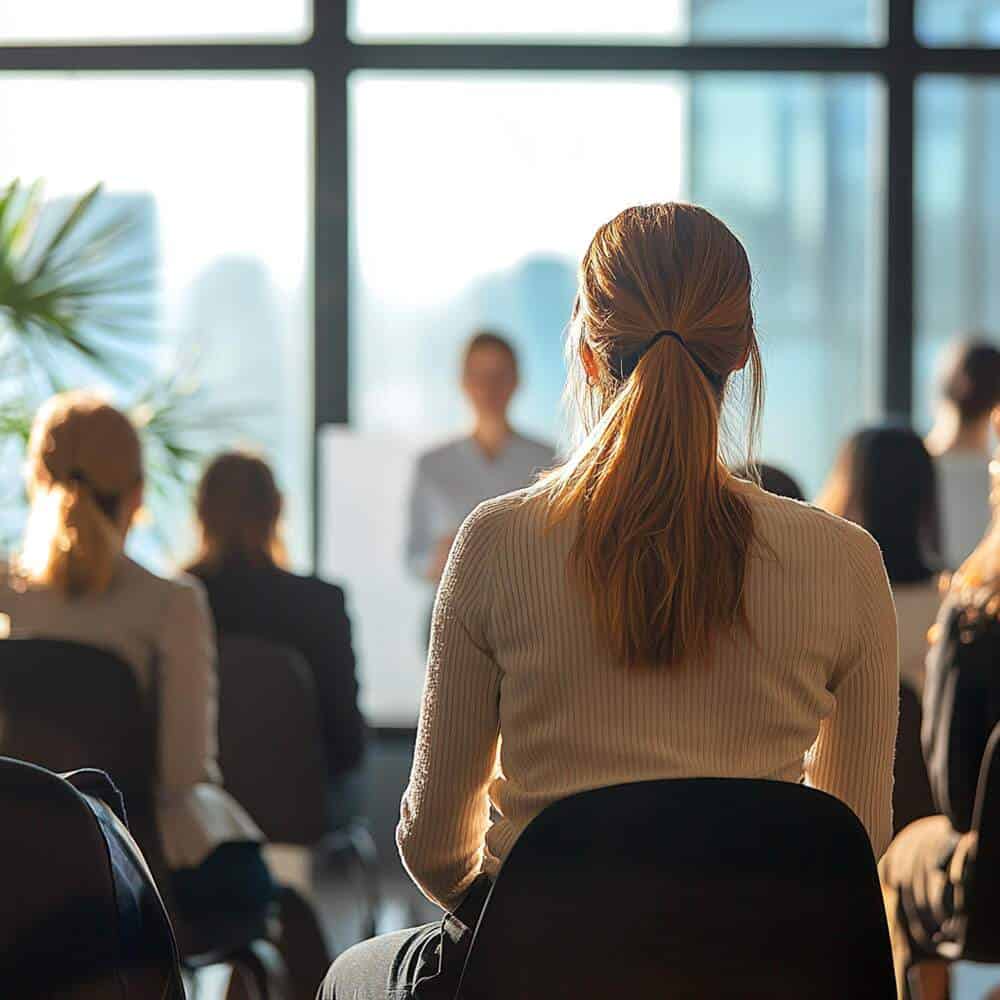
70,544
83,457
663,530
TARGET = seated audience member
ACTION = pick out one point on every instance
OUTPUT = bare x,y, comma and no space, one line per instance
923,870
72,581
772,479
969,390
884,480
595,628
238,508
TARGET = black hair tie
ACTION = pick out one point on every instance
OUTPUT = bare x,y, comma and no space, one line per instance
628,363
659,336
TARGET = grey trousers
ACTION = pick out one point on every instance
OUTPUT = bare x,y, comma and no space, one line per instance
420,963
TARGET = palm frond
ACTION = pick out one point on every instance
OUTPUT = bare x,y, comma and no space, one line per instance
72,282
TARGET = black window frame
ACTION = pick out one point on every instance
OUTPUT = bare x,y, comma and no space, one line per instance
330,57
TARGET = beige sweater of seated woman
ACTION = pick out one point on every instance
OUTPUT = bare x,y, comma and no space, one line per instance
514,654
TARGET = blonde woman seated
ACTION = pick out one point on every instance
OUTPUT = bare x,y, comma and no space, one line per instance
640,613
73,581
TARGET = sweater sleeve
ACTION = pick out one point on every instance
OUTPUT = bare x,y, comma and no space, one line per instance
445,810
853,754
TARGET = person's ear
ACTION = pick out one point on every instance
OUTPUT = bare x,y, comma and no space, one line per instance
589,361
995,420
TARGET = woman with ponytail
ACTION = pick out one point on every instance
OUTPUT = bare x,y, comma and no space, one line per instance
73,581
640,613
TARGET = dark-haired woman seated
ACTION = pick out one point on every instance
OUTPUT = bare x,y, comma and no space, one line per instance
596,628
240,564
884,480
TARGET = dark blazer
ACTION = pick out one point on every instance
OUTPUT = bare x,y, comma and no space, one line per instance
961,707
310,616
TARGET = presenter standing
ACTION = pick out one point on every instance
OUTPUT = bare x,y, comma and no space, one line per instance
452,479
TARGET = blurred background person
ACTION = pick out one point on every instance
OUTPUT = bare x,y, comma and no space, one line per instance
240,562
924,868
772,479
968,391
72,581
493,459
884,480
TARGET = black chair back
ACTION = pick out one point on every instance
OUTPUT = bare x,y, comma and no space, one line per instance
271,746
981,933
686,889
80,916
911,791
66,705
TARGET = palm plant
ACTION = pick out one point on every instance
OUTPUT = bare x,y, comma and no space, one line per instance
77,304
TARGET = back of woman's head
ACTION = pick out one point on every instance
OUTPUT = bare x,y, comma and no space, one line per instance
970,379
884,480
238,506
84,459
662,318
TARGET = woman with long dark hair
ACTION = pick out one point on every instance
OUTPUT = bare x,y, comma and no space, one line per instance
884,479
640,613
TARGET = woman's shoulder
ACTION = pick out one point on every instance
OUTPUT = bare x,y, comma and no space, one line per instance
781,519
491,518
165,592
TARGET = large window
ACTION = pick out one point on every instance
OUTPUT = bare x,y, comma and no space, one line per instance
957,220
216,170
463,154
628,21
75,21
504,183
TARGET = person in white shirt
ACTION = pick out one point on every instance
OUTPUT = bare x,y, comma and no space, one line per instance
969,391
454,478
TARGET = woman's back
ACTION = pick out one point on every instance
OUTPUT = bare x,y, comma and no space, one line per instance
131,618
815,672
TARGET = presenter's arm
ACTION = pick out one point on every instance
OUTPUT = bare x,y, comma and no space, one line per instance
419,540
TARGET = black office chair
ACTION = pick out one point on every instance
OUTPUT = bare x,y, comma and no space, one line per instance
273,759
686,889
912,798
80,915
66,705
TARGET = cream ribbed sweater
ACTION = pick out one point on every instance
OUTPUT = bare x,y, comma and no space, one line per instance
514,654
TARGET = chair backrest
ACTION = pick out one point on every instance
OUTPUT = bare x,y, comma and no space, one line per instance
688,888
911,791
981,930
270,739
66,705
80,916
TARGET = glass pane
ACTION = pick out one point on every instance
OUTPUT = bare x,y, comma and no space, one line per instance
957,220
958,22
627,21
68,21
217,172
503,181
